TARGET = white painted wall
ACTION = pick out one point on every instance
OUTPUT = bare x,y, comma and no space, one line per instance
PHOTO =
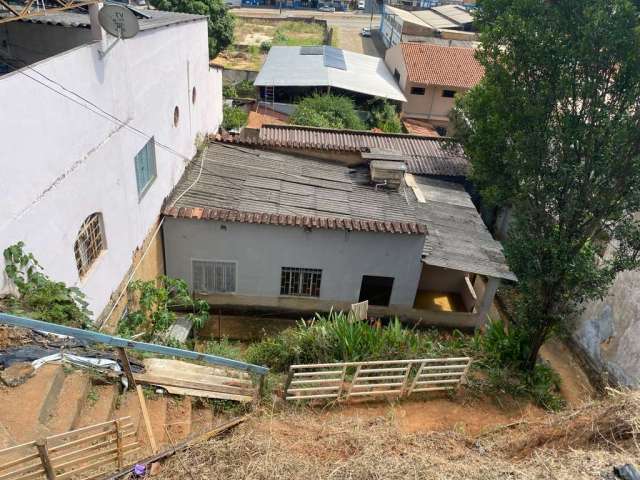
61,161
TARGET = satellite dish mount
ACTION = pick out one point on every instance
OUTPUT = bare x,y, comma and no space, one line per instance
118,21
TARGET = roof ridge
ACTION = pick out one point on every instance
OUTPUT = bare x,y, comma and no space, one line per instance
356,132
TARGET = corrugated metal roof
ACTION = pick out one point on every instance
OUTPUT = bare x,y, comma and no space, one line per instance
76,19
240,184
458,238
434,19
287,67
455,13
424,155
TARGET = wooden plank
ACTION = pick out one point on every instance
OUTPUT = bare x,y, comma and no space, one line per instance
205,394
304,397
315,381
79,441
16,447
383,370
119,439
177,382
85,429
124,359
18,461
31,476
376,392
147,421
381,377
27,469
90,466
320,374
95,446
41,445
369,385
436,382
161,366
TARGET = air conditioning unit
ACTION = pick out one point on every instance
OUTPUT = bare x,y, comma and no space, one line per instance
386,173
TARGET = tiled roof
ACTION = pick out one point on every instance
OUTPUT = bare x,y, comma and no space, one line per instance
429,64
239,184
417,126
424,155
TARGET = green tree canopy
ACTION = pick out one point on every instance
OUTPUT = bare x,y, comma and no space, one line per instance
220,23
384,116
553,131
327,111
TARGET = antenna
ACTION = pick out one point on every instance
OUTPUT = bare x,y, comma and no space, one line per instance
118,21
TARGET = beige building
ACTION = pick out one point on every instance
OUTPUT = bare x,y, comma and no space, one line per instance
431,76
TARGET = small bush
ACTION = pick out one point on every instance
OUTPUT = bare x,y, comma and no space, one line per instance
245,89
327,111
234,117
223,348
229,91
40,297
265,46
384,116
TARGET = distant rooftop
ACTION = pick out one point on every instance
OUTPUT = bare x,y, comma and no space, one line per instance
442,17
78,19
324,66
245,185
424,155
429,64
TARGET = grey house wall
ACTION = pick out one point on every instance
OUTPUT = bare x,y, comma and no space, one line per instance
609,331
261,250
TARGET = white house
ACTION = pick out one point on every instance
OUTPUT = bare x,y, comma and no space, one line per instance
92,144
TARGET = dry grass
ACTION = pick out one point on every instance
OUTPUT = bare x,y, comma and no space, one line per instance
308,445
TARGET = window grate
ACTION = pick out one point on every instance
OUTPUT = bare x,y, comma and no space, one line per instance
89,242
214,277
301,282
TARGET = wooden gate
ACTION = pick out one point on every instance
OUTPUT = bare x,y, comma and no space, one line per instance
85,453
342,381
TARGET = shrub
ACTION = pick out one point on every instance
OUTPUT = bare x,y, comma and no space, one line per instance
229,91
234,117
337,338
245,89
384,116
265,46
155,301
327,111
40,297
222,348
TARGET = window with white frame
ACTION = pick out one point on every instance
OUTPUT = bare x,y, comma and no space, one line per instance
301,282
89,242
213,276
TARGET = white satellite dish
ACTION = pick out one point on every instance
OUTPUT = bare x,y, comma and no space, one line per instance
118,21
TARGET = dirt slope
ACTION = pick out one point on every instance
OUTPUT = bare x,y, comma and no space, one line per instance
583,444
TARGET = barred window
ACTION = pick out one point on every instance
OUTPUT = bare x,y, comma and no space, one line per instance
302,282
214,277
89,243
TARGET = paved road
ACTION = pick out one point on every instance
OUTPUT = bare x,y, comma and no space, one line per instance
346,24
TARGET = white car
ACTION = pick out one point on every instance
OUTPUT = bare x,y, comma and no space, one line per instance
365,32
361,4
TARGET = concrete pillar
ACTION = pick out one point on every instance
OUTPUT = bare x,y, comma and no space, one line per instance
487,300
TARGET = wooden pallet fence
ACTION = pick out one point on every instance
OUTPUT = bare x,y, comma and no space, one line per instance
82,454
363,379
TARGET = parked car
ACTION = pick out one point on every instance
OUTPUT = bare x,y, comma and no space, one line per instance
327,8
365,32
361,4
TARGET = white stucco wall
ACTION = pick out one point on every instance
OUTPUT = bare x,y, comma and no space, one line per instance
262,250
60,161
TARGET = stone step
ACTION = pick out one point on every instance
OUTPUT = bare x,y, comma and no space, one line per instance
68,403
98,407
23,407
178,418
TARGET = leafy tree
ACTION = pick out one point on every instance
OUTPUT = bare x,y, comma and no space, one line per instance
327,111
233,117
553,131
384,116
219,25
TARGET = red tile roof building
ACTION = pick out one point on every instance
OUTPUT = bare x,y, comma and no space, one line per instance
445,66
